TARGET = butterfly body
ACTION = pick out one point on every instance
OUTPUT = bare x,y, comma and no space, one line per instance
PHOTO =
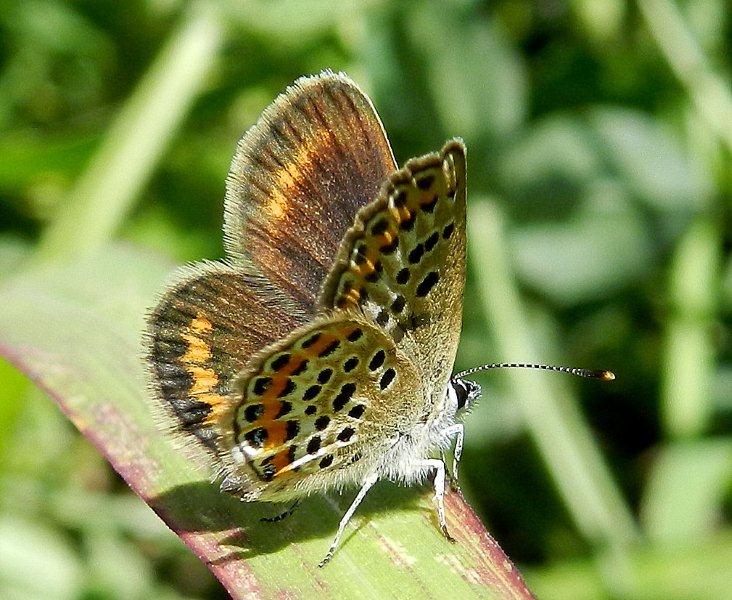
319,355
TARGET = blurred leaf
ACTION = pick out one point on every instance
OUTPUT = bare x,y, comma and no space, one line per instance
690,350
709,90
13,251
698,570
601,18
26,573
294,22
402,90
727,286
29,157
550,410
550,164
585,258
722,390
75,331
137,137
12,390
686,491
649,159
153,228
39,424
88,509
54,25
476,76
707,21
117,567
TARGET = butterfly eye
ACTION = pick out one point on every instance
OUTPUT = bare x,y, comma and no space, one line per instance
461,392
466,391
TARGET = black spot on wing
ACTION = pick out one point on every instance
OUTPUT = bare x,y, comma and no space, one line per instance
357,411
253,412
425,286
288,389
377,360
313,444
311,392
344,396
326,461
261,384
285,408
324,376
256,437
346,434
387,378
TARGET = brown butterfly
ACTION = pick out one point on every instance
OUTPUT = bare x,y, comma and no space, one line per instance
319,353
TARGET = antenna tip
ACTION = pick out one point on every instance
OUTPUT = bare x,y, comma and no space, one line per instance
605,375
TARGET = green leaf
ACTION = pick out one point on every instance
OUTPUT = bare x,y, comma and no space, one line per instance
75,330
690,351
597,251
699,569
135,140
549,408
685,495
461,52
649,159
550,162
26,574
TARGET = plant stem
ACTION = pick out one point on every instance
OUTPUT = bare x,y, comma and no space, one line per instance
136,139
688,365
553,419
707,90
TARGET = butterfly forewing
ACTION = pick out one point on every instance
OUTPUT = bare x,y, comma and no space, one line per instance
403,262
309,404
299,176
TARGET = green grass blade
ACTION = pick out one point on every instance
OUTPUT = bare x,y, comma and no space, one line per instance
75,329
136,139
689,361
685,494
561,434
708,90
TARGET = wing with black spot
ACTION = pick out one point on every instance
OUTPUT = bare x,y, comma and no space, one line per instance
318,406
403,261
316,156
202,333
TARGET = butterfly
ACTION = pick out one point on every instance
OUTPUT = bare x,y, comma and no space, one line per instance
318,355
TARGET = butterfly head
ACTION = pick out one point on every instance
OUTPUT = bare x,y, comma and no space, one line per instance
463,392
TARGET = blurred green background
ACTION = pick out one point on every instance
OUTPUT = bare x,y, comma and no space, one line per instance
599,138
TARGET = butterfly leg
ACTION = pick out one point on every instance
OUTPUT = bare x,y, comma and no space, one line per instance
365,487
282,515
439,467
457,430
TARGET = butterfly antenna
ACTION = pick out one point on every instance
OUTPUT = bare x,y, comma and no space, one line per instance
590,374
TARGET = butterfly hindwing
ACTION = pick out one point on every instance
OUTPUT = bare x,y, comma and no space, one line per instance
203,331
317,155
318,407
403,262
